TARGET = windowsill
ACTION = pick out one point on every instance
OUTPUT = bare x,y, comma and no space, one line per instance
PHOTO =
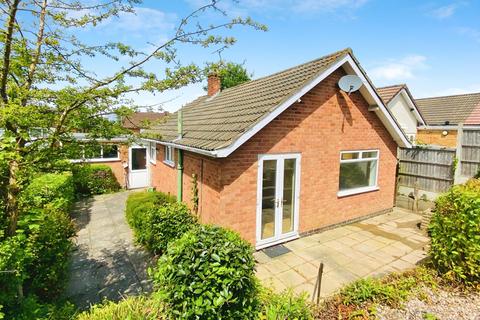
95,160
352,192
169,163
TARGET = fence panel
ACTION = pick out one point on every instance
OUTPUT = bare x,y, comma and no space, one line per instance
470,152
431,169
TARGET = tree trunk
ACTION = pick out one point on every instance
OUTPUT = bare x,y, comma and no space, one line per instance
13,190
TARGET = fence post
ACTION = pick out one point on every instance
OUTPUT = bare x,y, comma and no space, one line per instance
458,155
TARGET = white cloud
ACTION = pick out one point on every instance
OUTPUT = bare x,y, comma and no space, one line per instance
470,32
445,11
399,70
300,6
455,90
143,19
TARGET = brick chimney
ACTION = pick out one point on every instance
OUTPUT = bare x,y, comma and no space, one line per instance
213,84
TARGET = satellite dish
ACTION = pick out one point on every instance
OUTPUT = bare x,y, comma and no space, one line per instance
350,83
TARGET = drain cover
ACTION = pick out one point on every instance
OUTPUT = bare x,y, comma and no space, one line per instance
276,251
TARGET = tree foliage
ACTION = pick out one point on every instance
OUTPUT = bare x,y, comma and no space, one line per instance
231,74
48,92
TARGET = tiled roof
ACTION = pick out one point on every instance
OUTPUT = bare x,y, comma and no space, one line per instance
387,93
212,123
140,120
454,109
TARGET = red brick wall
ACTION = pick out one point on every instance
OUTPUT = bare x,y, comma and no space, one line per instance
117,166
326,122
163,176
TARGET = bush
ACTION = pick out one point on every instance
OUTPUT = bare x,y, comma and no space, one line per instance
145,199
32,308
132,308
455,232
208,274
284,305
162,225
91,179
52,190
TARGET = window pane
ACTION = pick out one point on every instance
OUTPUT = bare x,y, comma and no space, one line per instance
93,151
110,151
139,159
369,154
350,155
288,195
269,177
357,174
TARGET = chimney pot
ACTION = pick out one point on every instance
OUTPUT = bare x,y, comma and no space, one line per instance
214,84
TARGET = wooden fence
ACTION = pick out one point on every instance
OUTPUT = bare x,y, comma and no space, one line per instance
470,153
430,168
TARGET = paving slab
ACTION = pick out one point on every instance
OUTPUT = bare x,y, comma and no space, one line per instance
373,247
105,263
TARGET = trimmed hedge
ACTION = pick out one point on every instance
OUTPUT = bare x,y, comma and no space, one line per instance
208,274
147,199
91,179
131,308
455,232
52,190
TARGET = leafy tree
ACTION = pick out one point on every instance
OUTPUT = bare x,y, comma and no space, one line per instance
230,73
47,90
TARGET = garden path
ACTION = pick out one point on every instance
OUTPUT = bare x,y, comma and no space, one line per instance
105,263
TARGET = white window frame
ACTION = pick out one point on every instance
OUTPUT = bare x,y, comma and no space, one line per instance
349,192
153,152
169,156
101,159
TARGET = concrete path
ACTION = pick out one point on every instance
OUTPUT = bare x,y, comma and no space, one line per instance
105,263
386,243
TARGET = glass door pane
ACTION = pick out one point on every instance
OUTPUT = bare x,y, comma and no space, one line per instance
289,174
269,179
139,158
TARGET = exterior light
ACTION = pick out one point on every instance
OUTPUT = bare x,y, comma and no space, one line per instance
444,132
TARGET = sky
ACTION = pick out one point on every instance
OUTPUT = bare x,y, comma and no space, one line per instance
432,46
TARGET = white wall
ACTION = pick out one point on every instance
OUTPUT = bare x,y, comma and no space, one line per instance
400,109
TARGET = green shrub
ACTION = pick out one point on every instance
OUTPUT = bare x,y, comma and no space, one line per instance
91,179
455,232
284,305
208,274
52,190
162,225
144,199
132,308
31,308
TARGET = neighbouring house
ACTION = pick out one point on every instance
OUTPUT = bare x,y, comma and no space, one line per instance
444,115
283,155
142,120
401,104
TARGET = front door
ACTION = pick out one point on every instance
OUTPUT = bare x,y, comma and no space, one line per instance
138,170
277,198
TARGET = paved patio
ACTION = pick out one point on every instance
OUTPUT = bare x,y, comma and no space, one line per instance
379,245
105,263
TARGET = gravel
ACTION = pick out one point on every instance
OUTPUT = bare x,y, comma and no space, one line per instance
442,304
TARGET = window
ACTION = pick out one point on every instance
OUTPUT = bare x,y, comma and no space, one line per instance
358,172
169,156
95,152
153,152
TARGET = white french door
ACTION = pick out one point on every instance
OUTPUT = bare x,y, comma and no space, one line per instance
277,198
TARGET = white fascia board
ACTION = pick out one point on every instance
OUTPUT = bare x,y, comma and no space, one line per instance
411,104
186,148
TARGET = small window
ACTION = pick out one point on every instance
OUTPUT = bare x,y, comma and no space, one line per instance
358,172
110,152
95,152
153,152
169,156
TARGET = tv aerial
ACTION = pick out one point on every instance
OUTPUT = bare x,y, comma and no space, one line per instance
350,83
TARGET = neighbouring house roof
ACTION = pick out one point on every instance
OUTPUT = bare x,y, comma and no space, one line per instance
141,120
455,109
388,93
218,125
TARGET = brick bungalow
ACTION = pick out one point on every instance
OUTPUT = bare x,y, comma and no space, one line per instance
283,155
